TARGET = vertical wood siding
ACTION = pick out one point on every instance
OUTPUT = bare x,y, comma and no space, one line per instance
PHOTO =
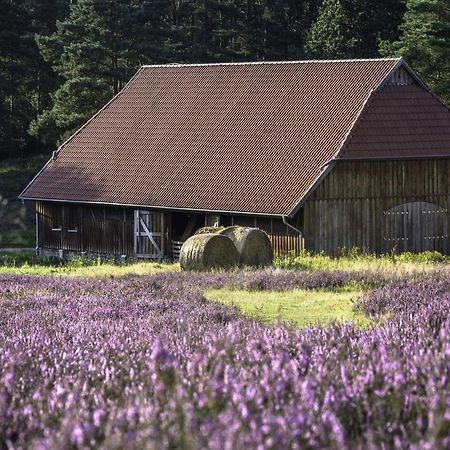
85,228
379,206
285,244
401,76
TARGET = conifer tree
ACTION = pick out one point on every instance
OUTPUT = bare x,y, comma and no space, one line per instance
329,36
16,60
354,28
425,42
26,80
209,31
95,50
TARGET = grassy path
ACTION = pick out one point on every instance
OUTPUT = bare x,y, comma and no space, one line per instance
300,307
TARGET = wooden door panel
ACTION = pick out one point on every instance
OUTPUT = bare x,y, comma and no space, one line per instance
416,227
149,236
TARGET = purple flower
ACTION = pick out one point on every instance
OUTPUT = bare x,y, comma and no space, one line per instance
149,363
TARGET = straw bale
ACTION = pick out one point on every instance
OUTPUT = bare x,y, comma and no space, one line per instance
204,230
208,250
253,245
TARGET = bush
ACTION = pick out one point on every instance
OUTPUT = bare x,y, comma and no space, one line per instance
354,256
428,257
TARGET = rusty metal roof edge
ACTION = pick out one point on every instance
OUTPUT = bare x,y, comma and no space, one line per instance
165,208
244,63
326,168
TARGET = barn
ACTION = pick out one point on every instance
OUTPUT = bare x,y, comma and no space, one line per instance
323,155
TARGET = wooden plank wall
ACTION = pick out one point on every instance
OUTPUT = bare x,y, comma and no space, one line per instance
347,210
401,76
84,228
109,230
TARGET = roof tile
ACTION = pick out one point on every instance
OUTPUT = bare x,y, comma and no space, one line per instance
401,121
233,137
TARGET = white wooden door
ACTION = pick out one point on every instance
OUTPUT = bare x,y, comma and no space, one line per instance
148,234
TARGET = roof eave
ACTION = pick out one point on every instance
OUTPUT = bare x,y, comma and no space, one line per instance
154,207
326,169
21,196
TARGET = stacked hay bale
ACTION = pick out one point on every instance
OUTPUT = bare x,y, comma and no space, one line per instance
208,250
226,247
253,245
204,230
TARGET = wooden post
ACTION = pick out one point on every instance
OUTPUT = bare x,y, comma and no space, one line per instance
37,230
136,232
163,235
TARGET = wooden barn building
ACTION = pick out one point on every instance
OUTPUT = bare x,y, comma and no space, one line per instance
325,155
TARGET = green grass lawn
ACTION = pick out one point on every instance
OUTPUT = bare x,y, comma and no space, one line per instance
396,264
301,307
26,264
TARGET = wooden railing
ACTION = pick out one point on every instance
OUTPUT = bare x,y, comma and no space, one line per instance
281,245
176,247
284,244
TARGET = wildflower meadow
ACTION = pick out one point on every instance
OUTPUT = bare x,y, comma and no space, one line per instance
148,362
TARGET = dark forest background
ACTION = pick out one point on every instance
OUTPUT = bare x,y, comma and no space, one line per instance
61,60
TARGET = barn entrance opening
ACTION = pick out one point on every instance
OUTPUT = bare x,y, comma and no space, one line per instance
184,225
416,227
148,234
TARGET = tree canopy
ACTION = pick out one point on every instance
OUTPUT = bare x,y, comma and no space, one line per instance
425,42
61,60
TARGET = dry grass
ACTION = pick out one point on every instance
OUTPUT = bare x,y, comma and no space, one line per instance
101,270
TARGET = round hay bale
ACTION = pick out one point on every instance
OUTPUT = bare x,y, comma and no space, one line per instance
253,245
204,230
205,251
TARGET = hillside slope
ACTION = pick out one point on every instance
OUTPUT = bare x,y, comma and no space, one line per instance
16,219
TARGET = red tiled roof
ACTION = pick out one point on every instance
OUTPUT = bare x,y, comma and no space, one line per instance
401,121
221,137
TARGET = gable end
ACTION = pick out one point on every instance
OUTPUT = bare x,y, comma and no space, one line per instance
401,76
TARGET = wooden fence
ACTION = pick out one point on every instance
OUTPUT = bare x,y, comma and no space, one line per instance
284,244
176,247
281,245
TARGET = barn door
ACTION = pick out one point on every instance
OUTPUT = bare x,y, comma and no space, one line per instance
416,227
148,234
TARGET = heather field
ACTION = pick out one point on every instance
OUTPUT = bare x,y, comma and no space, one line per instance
149,362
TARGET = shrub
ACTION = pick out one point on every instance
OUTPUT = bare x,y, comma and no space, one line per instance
428,257
28,259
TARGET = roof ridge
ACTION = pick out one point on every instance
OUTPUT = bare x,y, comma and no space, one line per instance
251,63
